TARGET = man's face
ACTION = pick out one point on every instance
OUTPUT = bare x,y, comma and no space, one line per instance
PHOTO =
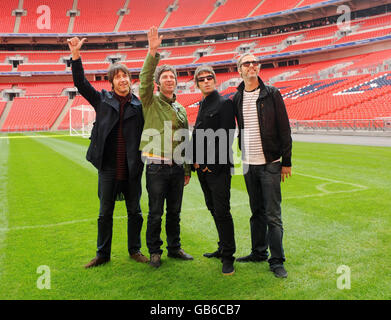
206,83
121,83
249,68
167,83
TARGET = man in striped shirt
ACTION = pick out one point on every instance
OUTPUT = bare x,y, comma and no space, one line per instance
266,144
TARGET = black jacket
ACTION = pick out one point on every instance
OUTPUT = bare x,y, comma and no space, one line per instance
104,131
215,113
273,121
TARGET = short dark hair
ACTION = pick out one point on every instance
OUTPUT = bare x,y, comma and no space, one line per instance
163,68
114,69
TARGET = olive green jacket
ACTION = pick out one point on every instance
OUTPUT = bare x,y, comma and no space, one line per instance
163,117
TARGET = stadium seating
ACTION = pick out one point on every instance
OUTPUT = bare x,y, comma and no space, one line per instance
190,13
233,9
96,17
32,114
7,21
59,21
271,6
135,20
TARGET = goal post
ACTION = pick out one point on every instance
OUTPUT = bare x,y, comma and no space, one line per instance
81,120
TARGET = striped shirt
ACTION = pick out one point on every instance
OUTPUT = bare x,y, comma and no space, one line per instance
252,151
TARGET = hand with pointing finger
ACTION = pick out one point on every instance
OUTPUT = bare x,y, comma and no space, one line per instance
74,45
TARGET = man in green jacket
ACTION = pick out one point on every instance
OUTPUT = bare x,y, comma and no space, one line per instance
162,144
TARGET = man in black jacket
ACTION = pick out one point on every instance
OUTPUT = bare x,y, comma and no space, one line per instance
266,144
113,150
212,154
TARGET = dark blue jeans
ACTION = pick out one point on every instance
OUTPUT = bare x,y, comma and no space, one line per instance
263,184
106,187
165,183
217,194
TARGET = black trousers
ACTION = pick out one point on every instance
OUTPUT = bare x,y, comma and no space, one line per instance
132,193
263,184
217,194
165,183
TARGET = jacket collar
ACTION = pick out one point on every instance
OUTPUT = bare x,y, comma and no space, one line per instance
213,96
168,100
263,93
113,102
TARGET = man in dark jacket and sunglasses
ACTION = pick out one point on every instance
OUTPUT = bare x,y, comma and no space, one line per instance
212,158
113,150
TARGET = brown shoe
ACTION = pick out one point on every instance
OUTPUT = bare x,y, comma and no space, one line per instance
96,262
155,260
139,257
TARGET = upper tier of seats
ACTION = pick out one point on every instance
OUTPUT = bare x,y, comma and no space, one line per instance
139,15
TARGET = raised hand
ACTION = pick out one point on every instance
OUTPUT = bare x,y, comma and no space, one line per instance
154,40
74,45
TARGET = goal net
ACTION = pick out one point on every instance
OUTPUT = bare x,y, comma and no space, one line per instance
81,120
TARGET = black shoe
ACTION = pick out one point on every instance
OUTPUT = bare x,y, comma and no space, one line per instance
155,260
279,271
228,267
251,258
216,254
180,254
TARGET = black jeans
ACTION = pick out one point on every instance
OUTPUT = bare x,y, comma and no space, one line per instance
217,194
164,183
263,184
106,186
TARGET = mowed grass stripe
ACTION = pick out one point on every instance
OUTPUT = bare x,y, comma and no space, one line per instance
3,198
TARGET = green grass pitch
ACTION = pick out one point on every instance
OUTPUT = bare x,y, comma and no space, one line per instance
336,212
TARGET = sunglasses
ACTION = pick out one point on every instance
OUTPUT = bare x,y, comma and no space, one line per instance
247,63
202,79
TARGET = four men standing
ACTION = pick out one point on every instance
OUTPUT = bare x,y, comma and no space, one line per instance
121,122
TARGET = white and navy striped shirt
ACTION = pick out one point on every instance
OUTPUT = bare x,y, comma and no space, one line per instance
252,151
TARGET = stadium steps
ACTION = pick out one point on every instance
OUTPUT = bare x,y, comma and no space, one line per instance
72,19
121,17
210,15
5,113
175,5
18,18
62,115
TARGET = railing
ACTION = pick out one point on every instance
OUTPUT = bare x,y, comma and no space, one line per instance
341,125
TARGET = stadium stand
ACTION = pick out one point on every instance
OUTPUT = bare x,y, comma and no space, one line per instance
356,85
